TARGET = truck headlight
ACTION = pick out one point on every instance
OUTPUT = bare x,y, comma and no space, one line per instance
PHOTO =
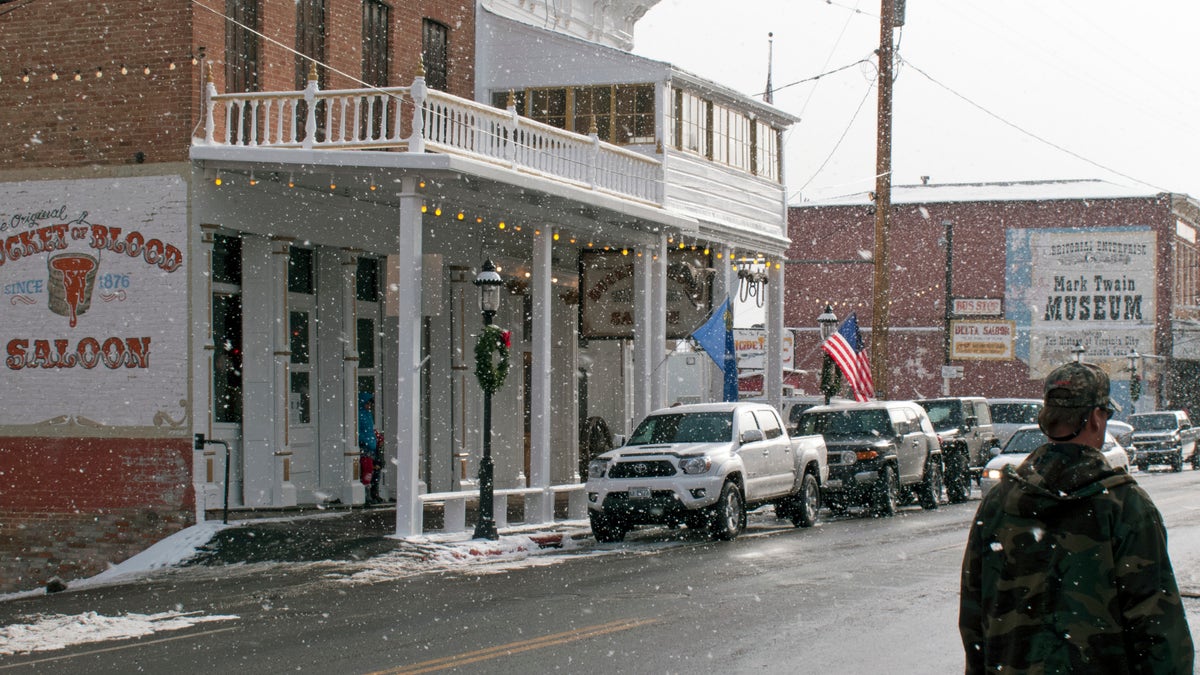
597,468
993,474
694,465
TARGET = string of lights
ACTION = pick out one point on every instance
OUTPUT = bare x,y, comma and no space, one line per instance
228,178
55,73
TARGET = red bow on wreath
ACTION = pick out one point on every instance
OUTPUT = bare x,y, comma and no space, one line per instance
507,335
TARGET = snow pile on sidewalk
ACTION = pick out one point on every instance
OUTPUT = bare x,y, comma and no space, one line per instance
57,631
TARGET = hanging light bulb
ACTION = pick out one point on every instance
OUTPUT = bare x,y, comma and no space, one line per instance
332,183
555,235
461,215
437,210
371,180
624,251
78,77
124,70
502,225
54,75
217,181
424,208
253,180
99,72
291,180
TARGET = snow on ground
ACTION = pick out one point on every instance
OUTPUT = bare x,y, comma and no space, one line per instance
56,631
418,555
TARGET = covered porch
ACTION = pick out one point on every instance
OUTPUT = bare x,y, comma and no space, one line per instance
427,186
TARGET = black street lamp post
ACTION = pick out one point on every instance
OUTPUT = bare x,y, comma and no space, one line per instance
489,283
829,378
1135,380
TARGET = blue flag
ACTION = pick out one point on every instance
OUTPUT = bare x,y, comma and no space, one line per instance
716,338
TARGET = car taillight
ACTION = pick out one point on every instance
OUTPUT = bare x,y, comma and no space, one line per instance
864,455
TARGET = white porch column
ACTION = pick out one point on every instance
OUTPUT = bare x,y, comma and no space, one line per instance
724,285
408,358
773,382
204,462
657,252
540,288
643,338
353,491
283,493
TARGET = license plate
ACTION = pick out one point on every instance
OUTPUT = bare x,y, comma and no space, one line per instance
639,493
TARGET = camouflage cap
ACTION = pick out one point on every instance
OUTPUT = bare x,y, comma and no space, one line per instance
1078,385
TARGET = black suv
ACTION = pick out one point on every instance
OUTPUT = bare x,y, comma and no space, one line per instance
880,454
964,429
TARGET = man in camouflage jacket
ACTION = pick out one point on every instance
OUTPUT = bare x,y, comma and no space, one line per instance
1066,568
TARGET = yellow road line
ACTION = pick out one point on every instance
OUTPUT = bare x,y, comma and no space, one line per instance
468,658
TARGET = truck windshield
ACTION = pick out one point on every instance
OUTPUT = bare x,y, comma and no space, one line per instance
708,427
846,423
944,414
1153,422
1015,413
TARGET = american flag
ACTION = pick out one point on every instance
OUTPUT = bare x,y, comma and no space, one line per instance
846,349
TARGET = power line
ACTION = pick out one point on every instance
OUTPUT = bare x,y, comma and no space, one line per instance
1027,132
813,78
837,145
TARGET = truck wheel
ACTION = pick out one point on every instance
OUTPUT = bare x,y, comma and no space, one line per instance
957,479
728,515
807,504
607,529
930,492
887,493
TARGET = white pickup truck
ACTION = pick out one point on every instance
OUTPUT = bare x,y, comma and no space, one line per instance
704,466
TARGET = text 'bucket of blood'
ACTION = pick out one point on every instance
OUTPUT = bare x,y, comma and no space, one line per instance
72,278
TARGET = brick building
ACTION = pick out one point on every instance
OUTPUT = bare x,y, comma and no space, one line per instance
231,217
1035,269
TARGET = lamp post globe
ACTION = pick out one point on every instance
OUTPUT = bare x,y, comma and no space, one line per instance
489,283
1078,351
827,322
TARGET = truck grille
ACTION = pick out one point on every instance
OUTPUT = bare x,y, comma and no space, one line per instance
646,469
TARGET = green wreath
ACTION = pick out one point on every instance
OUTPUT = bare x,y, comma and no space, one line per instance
491,372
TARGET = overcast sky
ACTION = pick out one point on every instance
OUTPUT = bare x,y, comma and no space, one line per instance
1114,85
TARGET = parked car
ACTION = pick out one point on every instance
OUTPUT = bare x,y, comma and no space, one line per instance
1010,414
1123,432
1164,437
964,429
794,406
879,453
1029,438
704,466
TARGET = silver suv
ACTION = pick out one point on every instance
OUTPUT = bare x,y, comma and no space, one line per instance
879,453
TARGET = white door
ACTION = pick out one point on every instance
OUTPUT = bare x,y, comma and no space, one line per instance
302,372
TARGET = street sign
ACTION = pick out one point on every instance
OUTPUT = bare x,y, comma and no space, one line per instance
952,372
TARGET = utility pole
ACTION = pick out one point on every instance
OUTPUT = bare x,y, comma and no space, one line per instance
883,202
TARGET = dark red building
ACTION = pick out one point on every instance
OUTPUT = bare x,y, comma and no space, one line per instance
1031,271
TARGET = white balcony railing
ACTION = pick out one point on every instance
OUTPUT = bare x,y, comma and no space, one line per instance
417,119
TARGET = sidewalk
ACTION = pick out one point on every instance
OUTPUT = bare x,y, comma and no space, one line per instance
309,534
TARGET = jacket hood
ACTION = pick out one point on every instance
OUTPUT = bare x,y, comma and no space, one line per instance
1056,474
